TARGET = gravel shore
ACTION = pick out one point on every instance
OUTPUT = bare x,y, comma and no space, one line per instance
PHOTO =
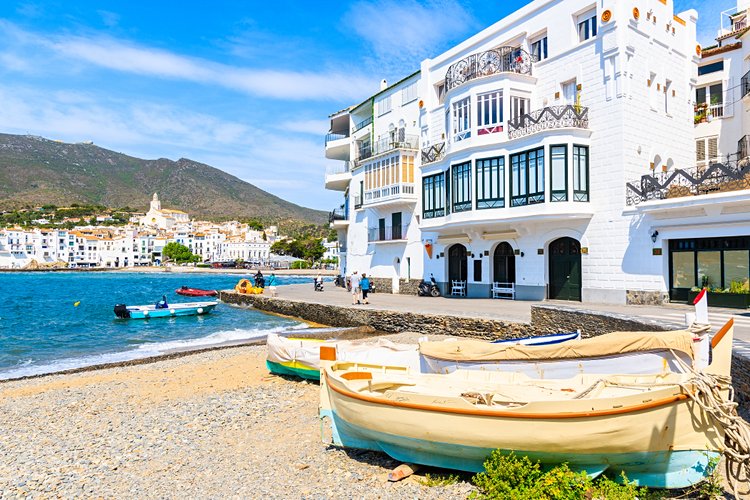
209,425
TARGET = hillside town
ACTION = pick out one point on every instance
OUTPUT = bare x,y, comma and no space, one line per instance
141,242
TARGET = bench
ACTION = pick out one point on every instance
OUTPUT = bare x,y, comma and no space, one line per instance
503,290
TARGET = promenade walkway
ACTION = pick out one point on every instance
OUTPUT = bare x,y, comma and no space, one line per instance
513,310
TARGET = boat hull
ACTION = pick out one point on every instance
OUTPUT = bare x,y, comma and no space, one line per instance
655,469
295,369
196,292
175,310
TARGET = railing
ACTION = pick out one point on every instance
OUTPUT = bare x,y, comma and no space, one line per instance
337,214
739,25
387,233
745,84
338,168
491,62
714,178
390,192
335,137
433,153
568,116
359,126
364,151
357,202
386,144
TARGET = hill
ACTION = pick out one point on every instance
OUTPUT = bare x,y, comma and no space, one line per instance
36,171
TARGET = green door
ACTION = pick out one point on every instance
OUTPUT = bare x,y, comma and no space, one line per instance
565,269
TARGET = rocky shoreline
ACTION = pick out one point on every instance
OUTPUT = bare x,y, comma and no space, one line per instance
212,424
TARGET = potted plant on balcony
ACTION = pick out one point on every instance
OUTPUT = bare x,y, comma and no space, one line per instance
736,296
701,113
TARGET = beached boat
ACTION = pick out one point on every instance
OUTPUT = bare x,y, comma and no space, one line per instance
195,292
301,356
151,311
645,425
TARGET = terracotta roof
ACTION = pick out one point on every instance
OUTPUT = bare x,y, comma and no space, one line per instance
720,50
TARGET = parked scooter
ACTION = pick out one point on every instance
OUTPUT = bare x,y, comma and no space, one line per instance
430,289
318,284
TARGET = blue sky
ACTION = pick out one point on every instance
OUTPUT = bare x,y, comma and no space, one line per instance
243,86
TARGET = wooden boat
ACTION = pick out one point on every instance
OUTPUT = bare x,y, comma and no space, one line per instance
301,356
151,311
195,292
645,425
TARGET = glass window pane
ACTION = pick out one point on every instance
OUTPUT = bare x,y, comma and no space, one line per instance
736,267
709,269
683,270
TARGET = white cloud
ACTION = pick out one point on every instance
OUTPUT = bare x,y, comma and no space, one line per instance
313,127
404,32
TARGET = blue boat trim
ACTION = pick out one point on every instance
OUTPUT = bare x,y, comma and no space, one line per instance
665,469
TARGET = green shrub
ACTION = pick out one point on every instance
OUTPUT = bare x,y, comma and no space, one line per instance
300,264
433,480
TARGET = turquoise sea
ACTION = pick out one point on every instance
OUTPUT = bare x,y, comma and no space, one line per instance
42,331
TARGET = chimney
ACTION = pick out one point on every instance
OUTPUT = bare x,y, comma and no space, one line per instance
383,84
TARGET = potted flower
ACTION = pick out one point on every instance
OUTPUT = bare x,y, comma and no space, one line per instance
701,112
737,295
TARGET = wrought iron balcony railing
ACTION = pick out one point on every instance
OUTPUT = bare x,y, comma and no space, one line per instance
337,214
490,62
745,84
359,126
387,233
743,147
679,183
551,117
331,136
433,153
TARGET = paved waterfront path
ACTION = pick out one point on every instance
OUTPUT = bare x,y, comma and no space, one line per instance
513,310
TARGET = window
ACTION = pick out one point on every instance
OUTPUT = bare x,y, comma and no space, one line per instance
711,68
433,196
706,151
461,186
710,100
539,49
580,173
527,178
489,112
587,26
409,93
440,91
519,106
491,183
569,91
383,105
652,90
558,166
461,120
667,87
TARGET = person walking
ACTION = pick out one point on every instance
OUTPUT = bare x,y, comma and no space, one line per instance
364,284
355,287
272,283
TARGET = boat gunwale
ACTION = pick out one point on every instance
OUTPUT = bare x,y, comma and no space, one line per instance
503,413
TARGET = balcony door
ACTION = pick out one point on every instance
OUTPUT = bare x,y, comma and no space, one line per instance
396,225
457,263
565,269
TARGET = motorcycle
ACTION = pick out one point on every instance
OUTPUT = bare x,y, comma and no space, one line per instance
318,285
430,289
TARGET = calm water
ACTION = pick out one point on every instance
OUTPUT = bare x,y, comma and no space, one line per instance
42,331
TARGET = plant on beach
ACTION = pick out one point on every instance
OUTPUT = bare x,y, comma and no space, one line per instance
437,480
508,476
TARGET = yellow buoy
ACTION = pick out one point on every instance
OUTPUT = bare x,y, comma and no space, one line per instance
76,303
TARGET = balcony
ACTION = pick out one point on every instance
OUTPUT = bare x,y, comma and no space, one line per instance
337,145
364,123
403,191
386,145
491,62
387,233
338,218
688,182
705,113
338,176
551,117
433,153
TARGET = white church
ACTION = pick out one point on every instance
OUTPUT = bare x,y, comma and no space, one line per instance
163,218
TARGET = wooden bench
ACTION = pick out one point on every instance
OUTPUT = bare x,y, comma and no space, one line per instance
503,290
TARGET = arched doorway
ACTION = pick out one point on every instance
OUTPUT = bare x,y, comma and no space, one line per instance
504,264
457,265
565,269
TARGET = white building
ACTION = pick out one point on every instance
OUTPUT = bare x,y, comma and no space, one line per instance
529,133
163,218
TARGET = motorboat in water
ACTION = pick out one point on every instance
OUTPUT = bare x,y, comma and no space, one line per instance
123,311
195,292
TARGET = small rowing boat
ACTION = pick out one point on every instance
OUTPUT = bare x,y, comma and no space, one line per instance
172,310
195,292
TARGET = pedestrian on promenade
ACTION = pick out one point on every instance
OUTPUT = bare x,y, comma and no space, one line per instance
272,282
355,287
364,283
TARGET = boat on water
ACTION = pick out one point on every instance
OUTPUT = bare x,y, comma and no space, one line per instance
195,292
172,310
301,356
648,426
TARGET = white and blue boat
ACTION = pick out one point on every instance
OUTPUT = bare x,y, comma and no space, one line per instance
151,311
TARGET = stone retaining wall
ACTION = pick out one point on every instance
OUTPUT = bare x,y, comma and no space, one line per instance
405,287
544,319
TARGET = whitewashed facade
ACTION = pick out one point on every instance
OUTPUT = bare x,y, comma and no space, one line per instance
529,133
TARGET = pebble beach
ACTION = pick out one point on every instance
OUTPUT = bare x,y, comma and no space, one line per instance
214,424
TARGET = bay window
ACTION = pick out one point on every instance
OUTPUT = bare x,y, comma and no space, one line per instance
580,173
461,186
558,165
490,112
491,183
462,119
527,177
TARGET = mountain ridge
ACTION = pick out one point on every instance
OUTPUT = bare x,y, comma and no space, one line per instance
36,171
